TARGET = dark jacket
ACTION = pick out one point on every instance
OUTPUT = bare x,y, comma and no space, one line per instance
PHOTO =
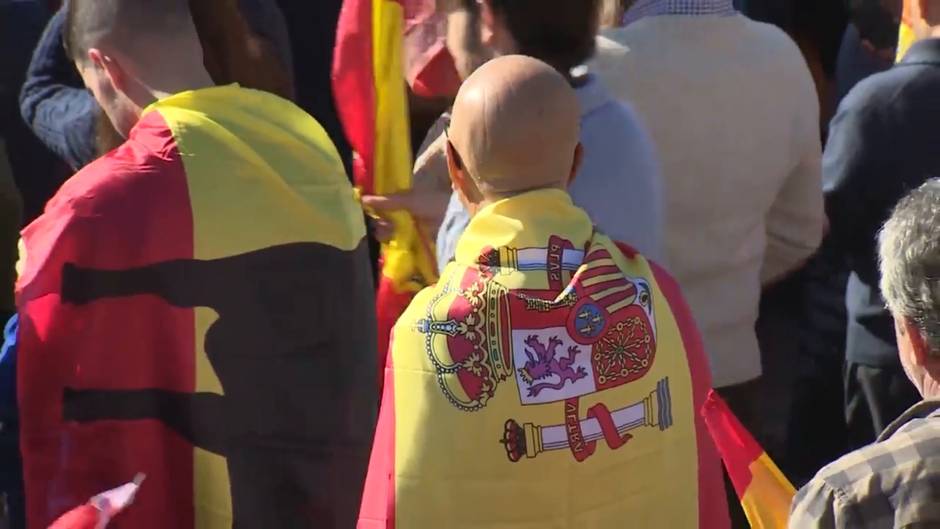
35,170
54,101
882,144
312,26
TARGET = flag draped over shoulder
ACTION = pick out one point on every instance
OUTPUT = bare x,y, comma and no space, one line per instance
906,38
371,96
179,318
764,491
550,379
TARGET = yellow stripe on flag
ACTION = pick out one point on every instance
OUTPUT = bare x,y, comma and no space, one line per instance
405,256
764,491
213,503
284,184
907,37
766,501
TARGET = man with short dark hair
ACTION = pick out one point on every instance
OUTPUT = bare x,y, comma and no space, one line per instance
618,184
177,301
66,118
896,481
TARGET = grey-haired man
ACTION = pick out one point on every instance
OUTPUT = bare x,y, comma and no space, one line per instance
896,481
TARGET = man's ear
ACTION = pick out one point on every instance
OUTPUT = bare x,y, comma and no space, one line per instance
110,67
576,163
487,22
919,347
465,187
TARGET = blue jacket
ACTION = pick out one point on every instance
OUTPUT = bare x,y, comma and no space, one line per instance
54,101
882,144
11,468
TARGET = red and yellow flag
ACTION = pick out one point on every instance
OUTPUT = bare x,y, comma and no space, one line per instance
764,491
179,317
371,97
907,37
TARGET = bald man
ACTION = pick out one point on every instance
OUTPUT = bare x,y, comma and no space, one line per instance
174,303
551,378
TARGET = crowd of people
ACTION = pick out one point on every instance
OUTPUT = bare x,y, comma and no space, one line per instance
631,203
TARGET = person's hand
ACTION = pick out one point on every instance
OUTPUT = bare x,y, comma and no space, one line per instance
426,206
383,230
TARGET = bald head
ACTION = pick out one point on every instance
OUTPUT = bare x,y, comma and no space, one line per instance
515,127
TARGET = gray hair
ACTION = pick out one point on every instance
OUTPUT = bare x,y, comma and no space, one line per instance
909,248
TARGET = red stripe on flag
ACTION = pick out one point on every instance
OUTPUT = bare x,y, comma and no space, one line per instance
736,445
378,498
597,256
64,345
84,517
712,503
390,304
599,271
612,299
354,86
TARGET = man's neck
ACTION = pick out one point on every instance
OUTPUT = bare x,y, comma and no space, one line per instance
931,389
180,81
492,198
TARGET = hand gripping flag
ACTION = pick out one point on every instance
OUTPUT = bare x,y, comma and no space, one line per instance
98,512
764,491
370,91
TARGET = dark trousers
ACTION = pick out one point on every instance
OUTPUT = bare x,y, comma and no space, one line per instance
874,398
744,400
816,428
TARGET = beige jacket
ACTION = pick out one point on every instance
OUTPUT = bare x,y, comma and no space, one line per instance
733,111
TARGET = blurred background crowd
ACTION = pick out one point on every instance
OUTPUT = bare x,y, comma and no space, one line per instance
823,378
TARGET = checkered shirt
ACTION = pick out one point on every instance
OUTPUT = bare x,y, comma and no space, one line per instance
894,483
651,8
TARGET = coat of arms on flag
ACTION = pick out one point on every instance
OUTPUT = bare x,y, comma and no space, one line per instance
596,335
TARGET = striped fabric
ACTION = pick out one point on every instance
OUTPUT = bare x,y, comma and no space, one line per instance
650,8
764,491
371,97
894,482
179,318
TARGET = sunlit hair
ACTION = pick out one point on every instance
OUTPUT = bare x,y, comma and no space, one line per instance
909,248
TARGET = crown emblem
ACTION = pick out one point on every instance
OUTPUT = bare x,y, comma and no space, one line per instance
466,339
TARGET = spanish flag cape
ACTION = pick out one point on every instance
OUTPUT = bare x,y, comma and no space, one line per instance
372,101
550,379
179,319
